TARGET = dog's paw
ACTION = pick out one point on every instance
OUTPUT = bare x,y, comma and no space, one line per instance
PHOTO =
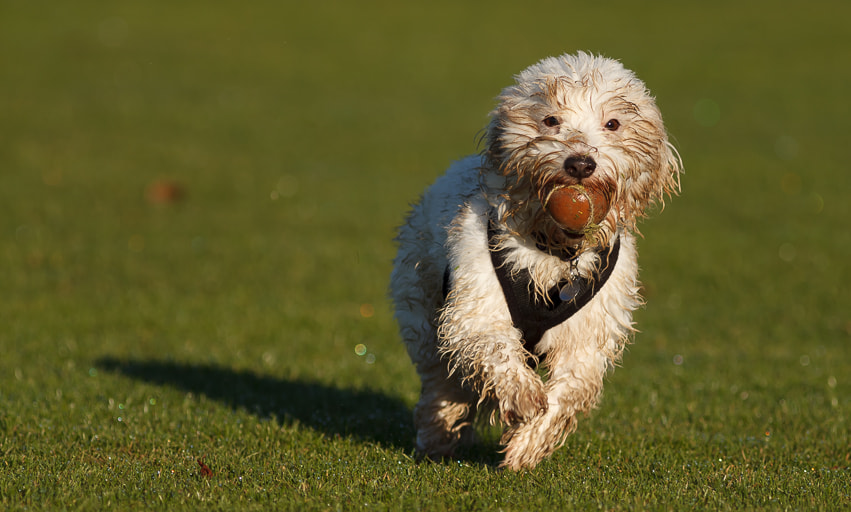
521,399
519,456
528,444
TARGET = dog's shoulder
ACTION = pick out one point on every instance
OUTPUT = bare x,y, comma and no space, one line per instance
451,193
458,182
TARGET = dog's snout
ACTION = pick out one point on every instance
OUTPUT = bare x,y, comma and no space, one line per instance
580,166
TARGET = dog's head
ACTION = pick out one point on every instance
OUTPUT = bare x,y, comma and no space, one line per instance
580,119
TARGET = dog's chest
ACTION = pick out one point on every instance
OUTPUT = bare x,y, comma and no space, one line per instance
530,312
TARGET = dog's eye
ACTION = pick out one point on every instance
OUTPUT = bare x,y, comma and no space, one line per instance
551,121
613,125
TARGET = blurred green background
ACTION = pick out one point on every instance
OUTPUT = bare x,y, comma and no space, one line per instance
197,205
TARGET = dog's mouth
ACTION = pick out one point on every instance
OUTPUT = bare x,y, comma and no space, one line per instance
554,237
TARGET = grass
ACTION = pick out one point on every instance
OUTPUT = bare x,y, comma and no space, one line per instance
246,326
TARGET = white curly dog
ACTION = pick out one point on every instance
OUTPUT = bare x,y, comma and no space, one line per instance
504,310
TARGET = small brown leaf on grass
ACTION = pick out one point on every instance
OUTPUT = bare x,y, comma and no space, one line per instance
164,192
205,470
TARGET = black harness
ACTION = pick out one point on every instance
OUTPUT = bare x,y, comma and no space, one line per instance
535,316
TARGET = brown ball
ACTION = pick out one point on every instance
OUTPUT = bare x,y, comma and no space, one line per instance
577,208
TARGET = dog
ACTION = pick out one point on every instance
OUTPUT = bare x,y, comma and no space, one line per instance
503,310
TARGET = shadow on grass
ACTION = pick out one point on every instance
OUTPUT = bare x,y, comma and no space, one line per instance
364,415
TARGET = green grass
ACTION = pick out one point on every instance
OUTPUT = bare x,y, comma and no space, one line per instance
247,326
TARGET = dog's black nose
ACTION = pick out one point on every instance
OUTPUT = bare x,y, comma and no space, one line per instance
580,166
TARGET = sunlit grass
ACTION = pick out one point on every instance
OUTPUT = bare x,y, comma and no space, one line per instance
244,322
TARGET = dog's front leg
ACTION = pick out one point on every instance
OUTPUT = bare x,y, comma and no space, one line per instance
476,337
576,379
479,342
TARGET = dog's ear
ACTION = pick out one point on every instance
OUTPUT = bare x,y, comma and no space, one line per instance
659,175
671,168
489,141
496,145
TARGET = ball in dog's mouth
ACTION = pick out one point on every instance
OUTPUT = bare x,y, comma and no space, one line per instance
578,209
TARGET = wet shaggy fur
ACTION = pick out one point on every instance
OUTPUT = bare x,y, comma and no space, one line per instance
452,312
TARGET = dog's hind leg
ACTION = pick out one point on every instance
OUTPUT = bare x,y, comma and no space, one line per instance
443,416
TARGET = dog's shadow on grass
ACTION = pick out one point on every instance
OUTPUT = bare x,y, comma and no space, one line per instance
361,414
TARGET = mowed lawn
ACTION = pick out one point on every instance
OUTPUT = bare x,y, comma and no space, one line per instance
197,206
